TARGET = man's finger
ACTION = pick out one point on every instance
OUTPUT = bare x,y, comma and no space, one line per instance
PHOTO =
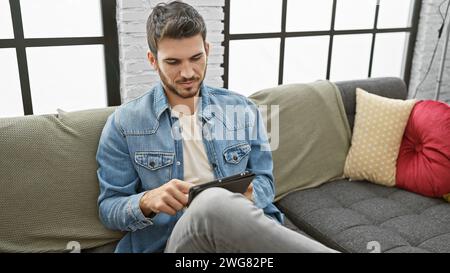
179,195
183,186
249,192
173,203
167,209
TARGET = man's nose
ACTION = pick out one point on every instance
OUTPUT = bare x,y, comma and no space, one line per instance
187,71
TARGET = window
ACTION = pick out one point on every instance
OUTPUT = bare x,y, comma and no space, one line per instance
57,54
273,42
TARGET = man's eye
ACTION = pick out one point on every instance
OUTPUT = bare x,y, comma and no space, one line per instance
171,62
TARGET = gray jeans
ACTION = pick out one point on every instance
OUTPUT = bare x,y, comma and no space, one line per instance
220,221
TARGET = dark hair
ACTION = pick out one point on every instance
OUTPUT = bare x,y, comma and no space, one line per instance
173,20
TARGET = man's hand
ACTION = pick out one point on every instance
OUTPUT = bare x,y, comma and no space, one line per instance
169,198
249,193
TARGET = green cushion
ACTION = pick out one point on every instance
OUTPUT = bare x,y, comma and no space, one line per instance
313,138
48,182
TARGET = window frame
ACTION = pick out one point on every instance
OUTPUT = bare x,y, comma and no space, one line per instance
109,40
283,34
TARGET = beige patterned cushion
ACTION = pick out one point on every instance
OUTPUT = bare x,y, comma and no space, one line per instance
379,126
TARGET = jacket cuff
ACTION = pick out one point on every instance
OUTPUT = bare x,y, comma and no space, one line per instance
134,210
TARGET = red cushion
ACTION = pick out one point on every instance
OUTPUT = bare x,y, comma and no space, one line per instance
423,164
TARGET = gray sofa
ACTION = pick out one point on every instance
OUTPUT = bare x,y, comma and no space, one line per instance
358,216
49,180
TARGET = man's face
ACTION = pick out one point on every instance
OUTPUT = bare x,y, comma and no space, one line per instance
181,64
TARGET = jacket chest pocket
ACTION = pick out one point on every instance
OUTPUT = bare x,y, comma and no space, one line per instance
156,167
236,157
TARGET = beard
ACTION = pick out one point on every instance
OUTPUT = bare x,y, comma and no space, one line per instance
180,91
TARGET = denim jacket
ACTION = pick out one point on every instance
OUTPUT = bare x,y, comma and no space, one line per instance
140,149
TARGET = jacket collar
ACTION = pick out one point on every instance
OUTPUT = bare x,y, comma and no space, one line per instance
160,102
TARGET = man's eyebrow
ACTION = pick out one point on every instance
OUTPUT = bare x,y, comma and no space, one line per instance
197,55
170,59
175,59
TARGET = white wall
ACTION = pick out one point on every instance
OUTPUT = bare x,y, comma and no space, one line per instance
429,24
136,75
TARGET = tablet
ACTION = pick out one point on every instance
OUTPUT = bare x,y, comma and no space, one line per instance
235,183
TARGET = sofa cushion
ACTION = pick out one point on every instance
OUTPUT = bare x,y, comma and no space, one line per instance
423,164
48,182
309,132
379,126
348,215
389,87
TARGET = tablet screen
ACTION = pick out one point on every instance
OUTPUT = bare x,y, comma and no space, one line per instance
236,183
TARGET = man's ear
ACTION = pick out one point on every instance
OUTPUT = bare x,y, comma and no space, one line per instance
152,59
207,48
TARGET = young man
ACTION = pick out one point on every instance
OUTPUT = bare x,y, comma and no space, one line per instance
154,148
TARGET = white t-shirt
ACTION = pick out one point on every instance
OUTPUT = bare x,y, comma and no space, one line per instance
196,164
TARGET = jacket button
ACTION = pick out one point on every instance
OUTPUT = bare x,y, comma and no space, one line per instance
214,165
235,157
152,164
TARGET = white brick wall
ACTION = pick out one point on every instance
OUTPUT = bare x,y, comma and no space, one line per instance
429,24
137,76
